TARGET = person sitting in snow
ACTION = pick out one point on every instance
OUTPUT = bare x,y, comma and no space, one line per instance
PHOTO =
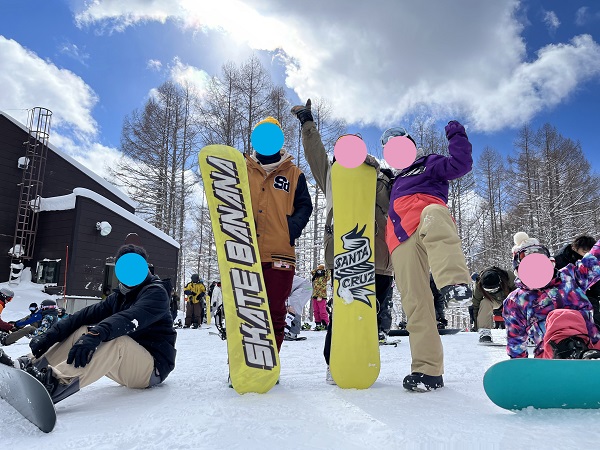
128,337
49,314
6,295
33,318
557,318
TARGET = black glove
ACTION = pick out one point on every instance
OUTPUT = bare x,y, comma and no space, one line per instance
303,112
40,344
188,292
82,351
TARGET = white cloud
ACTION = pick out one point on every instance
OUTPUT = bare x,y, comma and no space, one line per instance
154,64
73,51
376,62
581,16
182,73
28,81
96,157
551,20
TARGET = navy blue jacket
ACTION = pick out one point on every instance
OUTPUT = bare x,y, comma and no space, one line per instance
143,314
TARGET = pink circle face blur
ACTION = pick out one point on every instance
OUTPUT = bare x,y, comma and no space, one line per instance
399,152
536,270
350,151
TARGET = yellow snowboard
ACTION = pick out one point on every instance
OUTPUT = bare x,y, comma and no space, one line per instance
253,357
354,360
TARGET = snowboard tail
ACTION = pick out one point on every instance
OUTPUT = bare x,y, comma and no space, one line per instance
544,383
251,346
28,396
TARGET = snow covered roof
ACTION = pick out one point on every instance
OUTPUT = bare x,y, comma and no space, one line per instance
64,202
80,166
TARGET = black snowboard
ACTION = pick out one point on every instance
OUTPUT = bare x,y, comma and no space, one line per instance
28,396
441,331
290,338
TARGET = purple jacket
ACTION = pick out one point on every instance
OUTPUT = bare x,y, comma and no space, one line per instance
426,182
525,310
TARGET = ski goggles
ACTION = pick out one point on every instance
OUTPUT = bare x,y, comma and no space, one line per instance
392,132
358,135
32,309
492,290
530,250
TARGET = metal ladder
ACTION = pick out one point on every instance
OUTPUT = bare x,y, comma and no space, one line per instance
36,149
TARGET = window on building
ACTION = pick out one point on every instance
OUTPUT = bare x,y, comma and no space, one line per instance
110,279
48,271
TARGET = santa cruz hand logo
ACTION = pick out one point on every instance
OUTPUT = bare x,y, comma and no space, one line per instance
352,268
282,183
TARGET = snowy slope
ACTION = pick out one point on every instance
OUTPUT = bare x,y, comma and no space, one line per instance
195,408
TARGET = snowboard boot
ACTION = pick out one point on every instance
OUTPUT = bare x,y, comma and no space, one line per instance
3,336
5,359
569,348
485,336
419,382
382,337
591,354
328,378
57,390
458,294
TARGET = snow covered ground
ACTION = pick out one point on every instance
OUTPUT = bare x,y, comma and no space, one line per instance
196,409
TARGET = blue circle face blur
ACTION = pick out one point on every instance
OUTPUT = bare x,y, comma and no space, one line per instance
131,269
267,139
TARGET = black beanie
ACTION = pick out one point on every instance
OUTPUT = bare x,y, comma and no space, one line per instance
490,280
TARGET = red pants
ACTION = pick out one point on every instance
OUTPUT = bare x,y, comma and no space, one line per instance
278,283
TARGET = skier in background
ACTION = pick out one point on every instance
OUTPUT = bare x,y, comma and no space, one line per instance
195,291
301,293
317,159
320,277
422,236
557,318
33,318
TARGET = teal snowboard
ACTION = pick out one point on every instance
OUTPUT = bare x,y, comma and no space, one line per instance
544,383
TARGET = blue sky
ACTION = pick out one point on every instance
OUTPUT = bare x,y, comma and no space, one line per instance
492,65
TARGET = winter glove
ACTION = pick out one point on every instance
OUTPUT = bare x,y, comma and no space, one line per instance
40,344
82,351
188,292
303,112
453,128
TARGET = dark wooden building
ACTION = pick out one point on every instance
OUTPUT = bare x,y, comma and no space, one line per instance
71,256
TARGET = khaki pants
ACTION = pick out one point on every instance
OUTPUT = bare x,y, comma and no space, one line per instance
436,245
122,360
485,316
16,335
